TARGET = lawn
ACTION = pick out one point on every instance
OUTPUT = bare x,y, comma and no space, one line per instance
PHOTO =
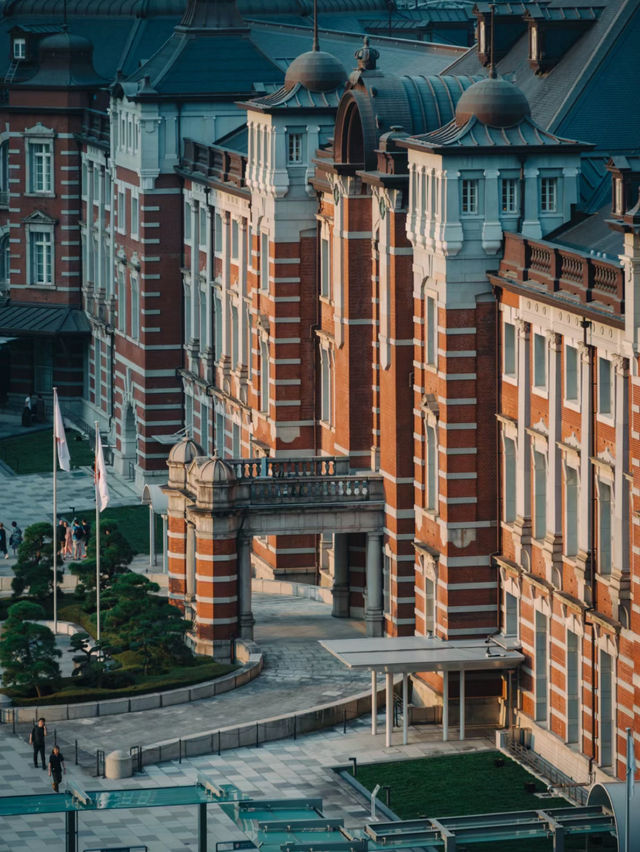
33,452
132,522
457,785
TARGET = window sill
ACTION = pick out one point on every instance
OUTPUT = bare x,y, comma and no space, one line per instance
39,194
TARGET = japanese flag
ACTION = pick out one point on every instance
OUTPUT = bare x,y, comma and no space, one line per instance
64,460
102,490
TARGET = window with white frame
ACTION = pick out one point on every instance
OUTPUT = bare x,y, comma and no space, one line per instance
604,528
135,306
97,184
235,238
326,387
570,511
264,261
5,260
41,256
19,48
539,361
431,331
570,373
295,147
235,345
236,449
202,221
429,605
604,386
539,495
188,334
135,212
541,666
108,189
188,413
187,221
218,343
386,584
325,270
510,614
431,495
204,426
469,203
264,375
248,359
203,319
607,707
122,301
509,480
122,211
549,194
509,195
573,687
217,233
41,167
220,436
509,355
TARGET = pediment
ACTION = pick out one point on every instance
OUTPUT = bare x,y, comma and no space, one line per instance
39,217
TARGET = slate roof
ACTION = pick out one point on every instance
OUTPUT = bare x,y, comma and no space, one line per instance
593,235
474,134
237,140
595,79
298,97
22,318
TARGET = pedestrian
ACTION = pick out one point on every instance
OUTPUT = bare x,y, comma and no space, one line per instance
61,537
56,767
68,540
39,411
3,541
86,532
78,536
26,411
15,539
36,738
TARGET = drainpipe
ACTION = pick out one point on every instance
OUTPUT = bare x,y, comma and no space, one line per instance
522,196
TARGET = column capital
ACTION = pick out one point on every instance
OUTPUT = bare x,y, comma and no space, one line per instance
555,340
621,364
522,327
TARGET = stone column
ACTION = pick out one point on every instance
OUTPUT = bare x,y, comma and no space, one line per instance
246,619
373,612
340,575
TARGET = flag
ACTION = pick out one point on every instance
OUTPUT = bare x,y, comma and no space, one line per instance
64,460
631,763
102,490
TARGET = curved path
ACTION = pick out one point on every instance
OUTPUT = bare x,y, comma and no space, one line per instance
298,674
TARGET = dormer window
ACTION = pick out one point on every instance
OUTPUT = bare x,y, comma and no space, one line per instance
19,48
469,197
549,195
295,148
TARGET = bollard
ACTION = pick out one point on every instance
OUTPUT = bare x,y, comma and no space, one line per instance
344,722
295,727
76,752
354,760
257,734
179,751
55,736
13,720
218,743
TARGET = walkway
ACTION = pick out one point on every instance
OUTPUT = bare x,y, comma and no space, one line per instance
298,674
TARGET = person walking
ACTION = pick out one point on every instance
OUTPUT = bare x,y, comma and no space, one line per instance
3,541
68,540
26,411
56,767
36,739
15,539
86,533
61,538
78,536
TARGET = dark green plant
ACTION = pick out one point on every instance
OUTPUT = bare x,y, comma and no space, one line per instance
92,659
34,568
28,653
115,556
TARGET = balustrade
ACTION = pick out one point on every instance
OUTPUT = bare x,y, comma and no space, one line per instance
312,490
282,468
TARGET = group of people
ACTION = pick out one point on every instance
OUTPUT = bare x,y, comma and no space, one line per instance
56,759
15,539
34,410
72,538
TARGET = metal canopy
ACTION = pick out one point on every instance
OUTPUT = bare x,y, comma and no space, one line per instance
421,654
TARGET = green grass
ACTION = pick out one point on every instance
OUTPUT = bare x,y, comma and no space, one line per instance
33,452
461,784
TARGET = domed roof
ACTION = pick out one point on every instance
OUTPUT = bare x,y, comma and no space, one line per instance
185,451
65,60
317,71
216,471
494,101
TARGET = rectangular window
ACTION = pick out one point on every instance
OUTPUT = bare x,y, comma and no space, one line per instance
236,449
203,321
509,195
573,687
510,614
264,376
571,511
204,428
548,194
509,480
234,239
539,361
188,412
202,220
187,221
122,301
431,332
234,338
97,180
431,496
41,167
19,48
122,211
606,709
509,349
604,386
571,374
187,313
604,528
429,606
107,190
218,233
217,318
295,147
469,196
325,388
135,307
264,262
41,257
541,667
134,215
325,271
220,441
539,495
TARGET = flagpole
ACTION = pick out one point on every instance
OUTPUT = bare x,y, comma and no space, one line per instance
97,482
55,514
630,780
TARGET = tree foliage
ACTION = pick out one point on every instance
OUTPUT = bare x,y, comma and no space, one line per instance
34,568
115,556
92,659
28,653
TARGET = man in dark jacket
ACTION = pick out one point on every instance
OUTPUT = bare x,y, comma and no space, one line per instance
36,738
56,767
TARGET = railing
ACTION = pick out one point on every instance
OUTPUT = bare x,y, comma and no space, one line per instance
559,269
280,468
339,490
573,790
215,161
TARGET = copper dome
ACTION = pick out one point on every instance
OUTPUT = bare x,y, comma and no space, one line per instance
317,71
495,102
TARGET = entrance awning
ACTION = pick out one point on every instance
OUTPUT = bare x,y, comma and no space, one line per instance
23,319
